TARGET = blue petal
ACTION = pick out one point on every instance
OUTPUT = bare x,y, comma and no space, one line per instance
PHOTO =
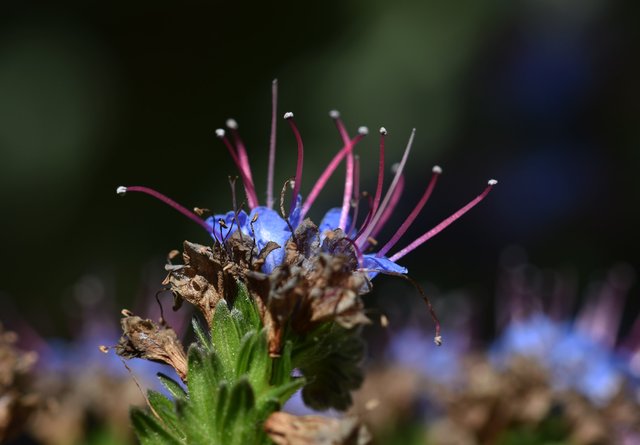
294,217
230,220
381,264
331,221
269,226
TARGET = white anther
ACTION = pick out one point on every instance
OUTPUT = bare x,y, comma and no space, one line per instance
363,130
438,340
492,182
383,131
122,190
395,167
220,133
232,124
334,114
288,115
437,169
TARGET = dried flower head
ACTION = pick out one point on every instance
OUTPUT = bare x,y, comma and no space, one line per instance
287,429
145,339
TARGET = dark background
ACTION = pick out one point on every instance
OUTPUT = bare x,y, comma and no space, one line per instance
542,95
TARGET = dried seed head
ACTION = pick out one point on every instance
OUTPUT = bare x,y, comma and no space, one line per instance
145,339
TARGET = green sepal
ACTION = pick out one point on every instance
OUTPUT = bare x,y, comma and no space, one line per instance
172,386
225,337
166,409
202,378
201,335
237,414
150,431
245,306
246,354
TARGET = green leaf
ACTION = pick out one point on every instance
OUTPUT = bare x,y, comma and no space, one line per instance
201,381
201,335
261,364
246,353
226,339
159,402
237,422
165,408
330,358
149,430
284,392
282,366
245,305
221,403
172,386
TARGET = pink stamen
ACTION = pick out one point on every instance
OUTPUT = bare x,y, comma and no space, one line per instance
298,178
170,202
414,214
366,218
389,209
444,224
326,174
335,115
243,157
356,193
250,191
394,184
346,197
348,183
272,142
378,195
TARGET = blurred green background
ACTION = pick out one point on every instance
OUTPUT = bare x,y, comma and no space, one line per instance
542,95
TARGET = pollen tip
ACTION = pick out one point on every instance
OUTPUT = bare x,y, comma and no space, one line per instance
232,124
383,131
492,182
363,130
288,115
395,167
122,190
220,133
334,114
438,340
436,169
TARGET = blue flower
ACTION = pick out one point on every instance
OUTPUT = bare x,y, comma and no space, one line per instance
359,228
575,359
580,354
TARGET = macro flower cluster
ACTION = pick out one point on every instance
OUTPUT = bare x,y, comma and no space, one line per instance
280,297
270,238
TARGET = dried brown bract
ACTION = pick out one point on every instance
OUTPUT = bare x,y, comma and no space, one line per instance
316,283
287,429
145,339
16,401
203,280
